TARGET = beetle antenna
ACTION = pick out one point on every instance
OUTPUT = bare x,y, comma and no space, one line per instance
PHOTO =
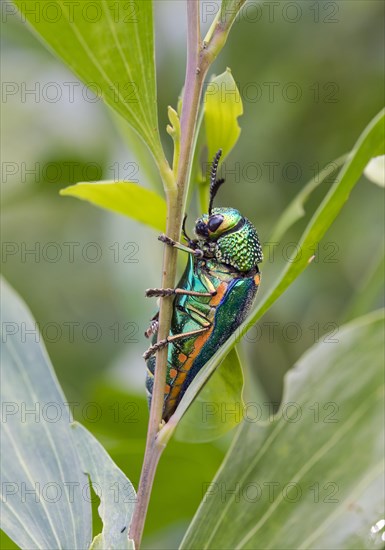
214,183
184,229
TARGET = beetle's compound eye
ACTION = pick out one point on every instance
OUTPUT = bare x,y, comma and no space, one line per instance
201,229
214,222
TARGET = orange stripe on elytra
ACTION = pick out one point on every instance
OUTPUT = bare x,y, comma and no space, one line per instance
189,360
179,380
221,290
257,279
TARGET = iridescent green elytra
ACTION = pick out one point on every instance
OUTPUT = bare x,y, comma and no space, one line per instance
212,298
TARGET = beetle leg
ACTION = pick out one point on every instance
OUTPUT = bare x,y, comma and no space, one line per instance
153,292
154,326
170,339
194,251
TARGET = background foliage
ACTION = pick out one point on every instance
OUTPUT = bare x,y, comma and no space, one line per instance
333,68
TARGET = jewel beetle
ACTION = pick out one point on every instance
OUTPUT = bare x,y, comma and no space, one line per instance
213,297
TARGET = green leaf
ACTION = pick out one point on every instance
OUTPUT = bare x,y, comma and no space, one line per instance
295,210
229,11
196,177
129,199
370,143
116,493
43,504
312,476
110,47
218,407
222,107
173,129
222,23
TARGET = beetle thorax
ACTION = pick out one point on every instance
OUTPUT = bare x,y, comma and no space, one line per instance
241,249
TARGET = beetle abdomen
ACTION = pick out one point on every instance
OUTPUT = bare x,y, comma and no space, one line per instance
225,311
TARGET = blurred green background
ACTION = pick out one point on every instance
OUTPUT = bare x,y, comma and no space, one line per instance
311,77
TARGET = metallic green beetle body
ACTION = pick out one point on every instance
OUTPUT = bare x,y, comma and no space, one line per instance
222,277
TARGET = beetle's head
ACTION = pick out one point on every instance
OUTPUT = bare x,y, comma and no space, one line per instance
221,220
231,238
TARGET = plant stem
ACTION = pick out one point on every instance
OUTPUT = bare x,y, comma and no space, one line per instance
175,201
153,450
199,58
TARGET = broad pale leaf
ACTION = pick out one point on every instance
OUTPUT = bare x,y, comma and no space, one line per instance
313,476
219,405
375,170
110,46
99,544
42,478
129,199
116,493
